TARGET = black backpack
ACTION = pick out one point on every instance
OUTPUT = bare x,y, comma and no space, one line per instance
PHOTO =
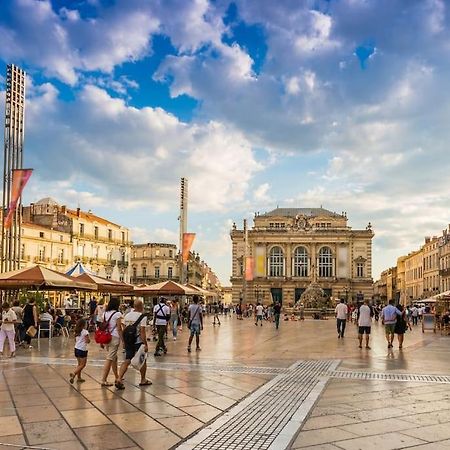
130,332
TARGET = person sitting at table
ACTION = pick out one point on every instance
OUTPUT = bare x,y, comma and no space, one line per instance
59,320
46,316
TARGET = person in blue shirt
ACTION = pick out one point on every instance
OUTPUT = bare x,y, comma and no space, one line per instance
389,316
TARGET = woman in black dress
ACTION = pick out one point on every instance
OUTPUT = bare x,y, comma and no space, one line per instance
401,326
30,318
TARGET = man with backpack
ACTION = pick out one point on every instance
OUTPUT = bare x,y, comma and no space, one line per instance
161,317
134,336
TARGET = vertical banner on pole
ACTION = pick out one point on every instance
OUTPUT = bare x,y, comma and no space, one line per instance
20,178
249,267
188,240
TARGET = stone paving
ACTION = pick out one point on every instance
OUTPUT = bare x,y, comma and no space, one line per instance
190,392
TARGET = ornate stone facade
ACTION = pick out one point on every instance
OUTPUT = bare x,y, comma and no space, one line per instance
58,237
292,247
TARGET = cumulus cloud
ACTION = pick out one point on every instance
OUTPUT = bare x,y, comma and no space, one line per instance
136,155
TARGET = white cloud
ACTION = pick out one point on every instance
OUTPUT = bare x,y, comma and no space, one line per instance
136,155
261,193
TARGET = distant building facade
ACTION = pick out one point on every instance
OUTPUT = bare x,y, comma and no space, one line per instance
58,237
444,260
154,262
291,247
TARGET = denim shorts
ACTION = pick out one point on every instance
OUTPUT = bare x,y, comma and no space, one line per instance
195,329
80,353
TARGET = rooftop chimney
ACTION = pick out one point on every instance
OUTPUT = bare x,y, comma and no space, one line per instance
78,212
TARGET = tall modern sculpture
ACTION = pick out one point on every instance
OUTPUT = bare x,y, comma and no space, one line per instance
13,159
183,225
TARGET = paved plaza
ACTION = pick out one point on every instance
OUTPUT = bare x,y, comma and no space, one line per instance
249,388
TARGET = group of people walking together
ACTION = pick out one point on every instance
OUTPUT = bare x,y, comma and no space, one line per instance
130,330
394,319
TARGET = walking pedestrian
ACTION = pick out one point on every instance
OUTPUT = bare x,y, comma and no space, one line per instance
401,325
216,313
175,318
161,316
81,351
134,336
259,314
195,323
9,318
414,314
113,322
389,316
364,323
99,311
277,314
341,312
30,319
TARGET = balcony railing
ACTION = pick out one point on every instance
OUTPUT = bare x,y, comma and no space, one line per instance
104,239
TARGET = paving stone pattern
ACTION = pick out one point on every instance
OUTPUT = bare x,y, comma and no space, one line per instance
267,412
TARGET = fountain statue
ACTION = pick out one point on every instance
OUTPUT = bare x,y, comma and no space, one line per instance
314,296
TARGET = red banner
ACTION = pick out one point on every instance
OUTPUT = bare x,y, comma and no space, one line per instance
249,266
188,240
20,178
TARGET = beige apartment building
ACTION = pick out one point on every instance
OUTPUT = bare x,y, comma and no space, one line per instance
431,266
444,260
58,237
156,262
153,262
401,281
291,247
414,275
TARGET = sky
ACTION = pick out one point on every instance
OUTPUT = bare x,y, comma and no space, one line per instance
339,103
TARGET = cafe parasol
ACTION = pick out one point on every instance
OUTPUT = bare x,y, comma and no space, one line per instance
165,288
40,278
106,285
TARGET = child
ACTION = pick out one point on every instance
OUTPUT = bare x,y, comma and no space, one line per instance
81,342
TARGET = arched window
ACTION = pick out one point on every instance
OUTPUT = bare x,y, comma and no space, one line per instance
144,271
325,262
276,262
134,272
300,262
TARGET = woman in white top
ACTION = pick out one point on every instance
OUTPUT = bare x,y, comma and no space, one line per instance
114,319
9,318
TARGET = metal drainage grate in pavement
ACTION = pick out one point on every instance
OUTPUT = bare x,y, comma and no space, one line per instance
223,368
263,417
444,379
219,368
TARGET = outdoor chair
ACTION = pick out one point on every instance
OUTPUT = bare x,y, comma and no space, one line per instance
45,326
62,329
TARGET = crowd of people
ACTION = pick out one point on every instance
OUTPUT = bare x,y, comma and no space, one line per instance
397,319
126,326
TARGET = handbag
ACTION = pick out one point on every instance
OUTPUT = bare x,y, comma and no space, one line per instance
31,331
139,358
102,334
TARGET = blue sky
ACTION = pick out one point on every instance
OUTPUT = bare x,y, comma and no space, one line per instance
340,103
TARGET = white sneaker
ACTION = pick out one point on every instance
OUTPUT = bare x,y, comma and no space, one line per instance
174,338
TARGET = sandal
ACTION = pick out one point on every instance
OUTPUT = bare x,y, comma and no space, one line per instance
71,378
106,384
119,385
80,380
146,383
